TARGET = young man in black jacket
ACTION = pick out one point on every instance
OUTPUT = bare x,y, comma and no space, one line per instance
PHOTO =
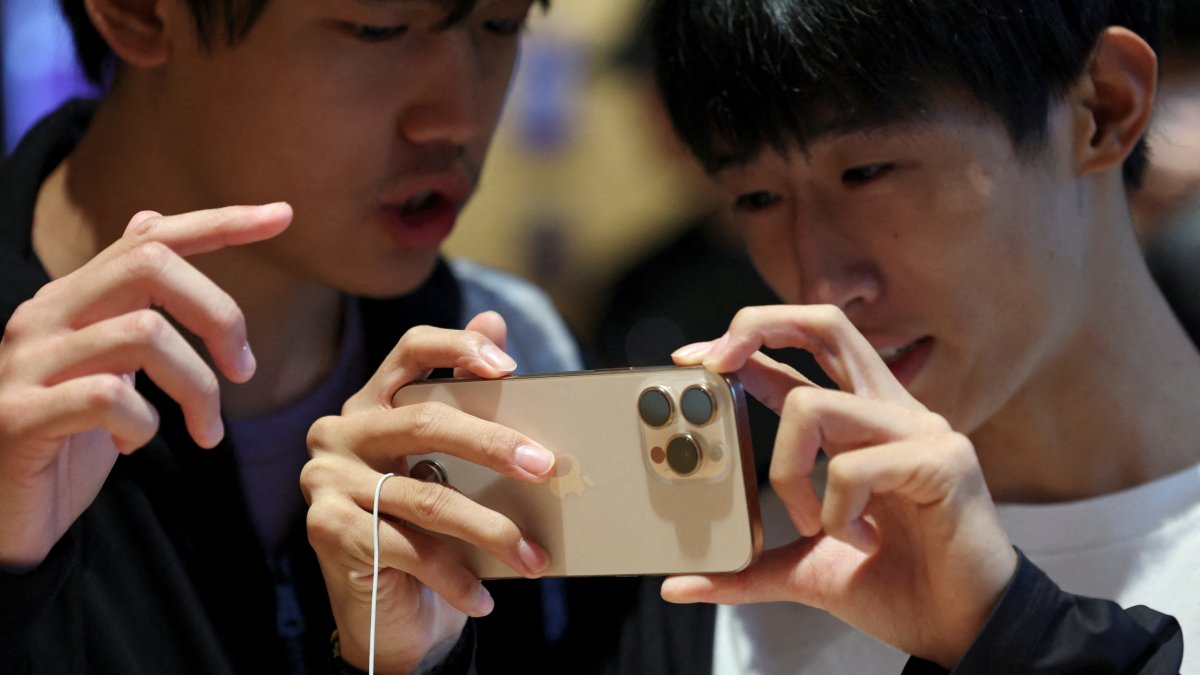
362,126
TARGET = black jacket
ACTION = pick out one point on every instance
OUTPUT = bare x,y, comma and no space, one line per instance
164,573
1037,629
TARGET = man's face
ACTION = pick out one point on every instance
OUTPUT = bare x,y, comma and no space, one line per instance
365,115
961,262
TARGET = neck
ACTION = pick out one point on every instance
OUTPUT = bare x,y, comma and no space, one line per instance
1116,408
84,205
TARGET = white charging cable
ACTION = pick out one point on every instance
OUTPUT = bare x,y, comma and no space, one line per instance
375,571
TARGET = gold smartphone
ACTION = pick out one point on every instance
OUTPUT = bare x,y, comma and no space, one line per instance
654,473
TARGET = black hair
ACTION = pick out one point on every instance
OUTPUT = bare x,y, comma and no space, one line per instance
737,75
1181,32
232,18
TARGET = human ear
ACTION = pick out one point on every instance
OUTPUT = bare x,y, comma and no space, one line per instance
134,29
1113,100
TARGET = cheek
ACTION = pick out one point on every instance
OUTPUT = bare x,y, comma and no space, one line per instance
772,255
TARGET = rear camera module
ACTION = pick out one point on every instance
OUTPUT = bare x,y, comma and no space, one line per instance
697,405
683,455
655,407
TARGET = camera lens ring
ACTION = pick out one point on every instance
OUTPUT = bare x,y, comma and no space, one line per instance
698,404
683,455
655,407
428,471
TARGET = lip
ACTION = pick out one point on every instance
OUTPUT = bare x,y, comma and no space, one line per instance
428,227
906,366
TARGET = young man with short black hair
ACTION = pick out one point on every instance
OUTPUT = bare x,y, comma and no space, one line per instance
944,189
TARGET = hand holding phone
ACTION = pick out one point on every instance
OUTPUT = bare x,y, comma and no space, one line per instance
904,542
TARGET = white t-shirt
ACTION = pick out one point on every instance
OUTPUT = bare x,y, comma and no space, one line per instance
1137,547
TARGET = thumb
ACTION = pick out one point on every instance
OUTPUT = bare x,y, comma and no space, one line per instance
492,326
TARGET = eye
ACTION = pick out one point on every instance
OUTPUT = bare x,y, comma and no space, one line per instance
373,34
865,174
505,27
755,201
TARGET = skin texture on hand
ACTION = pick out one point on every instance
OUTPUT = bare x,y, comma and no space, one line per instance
68,406
906,545
425,593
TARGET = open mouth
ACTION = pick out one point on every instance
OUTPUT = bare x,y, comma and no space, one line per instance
906,361
894,354
423,220
421,201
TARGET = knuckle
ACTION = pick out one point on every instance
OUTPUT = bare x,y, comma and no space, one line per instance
146,326
143,227
427,419
499,442
782,476
744,316
413,335
311,475
329,524
802,399
429,501
321,435
830,314
322,472
959,450
106,392
839,474
933,423
147,259
829,320
22,322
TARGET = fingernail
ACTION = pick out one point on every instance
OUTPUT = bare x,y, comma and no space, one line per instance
246,363
535,460
484,602
532,556
688,352
496,358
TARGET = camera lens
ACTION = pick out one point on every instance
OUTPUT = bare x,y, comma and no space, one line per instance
697,405
683,455
654,407
429,471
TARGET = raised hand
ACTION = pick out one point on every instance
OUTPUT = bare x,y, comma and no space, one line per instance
68,406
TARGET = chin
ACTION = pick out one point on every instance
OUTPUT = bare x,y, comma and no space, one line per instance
385,281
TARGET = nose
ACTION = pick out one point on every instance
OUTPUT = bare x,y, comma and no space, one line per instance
834,268
447,102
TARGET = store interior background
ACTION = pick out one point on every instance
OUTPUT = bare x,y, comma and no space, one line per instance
582,179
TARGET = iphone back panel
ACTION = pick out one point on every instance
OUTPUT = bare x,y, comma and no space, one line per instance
654,471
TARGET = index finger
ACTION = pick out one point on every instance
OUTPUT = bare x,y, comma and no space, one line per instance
383,438
203,231
824,331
